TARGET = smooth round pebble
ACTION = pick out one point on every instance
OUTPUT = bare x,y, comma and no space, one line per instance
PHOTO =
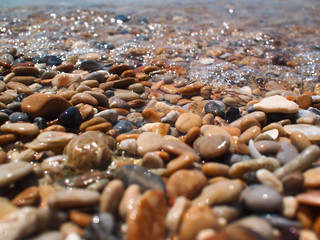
215,108
11,172
70,118
148,142
212,147
123,126
186,121
26,129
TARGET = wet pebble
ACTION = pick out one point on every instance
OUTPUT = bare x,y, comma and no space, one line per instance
89,150
276,104
212,147
25,129
312,178
123,126
73,198
187,183
217,109
310,131
11,172
109,115
40,105
148,142
90,65
134,174
70,118
18,117
286,153
186,121
261,198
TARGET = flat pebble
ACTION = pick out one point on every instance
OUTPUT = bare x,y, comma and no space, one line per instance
109,115
148,142
186,183
276,104
310,131
133,174
90,65
309,198
73,198
11,172
152,161
19,117
26,129
261,198
40,105
126,95
111,196
267,148
65,79
186,121
212,147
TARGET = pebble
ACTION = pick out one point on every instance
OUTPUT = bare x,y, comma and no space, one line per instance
134,174
213,169
102,225
186,121
89,150
83,98
293,182
311,197
99,76
267,147
14,171
212,147
300,163
130,195
310,131
250,133
123,126
71,198
196,219
261,198
111,196
26,71
217,109
312,178
65,79
276,104
25,222
299,140
25,129
148,142
185,160
286,153
146,220
27,197
237,170
158,128
152,161
187,183
109,115
126,95
269,179
90,65
40,105
70,118
18,117
19,87
221,192
129,146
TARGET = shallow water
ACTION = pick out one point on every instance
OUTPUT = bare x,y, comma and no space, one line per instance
221,42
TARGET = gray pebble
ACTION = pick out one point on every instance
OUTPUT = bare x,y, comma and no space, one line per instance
108,115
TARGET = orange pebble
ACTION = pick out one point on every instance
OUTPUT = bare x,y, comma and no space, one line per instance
80,218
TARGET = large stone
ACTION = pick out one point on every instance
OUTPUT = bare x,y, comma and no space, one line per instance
276,104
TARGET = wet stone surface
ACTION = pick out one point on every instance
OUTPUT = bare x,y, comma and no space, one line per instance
164,120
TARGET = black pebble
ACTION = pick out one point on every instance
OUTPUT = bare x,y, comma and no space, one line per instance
214,108
18,117
232,114
70,118
40,122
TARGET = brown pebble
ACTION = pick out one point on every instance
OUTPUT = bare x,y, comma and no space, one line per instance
27,197
83,98
19,87
183,161
213,169
186,183
40,105
190,90
247,123
80,218
192,135
149,69
65,67
7,138
250,133
169,89
151,115
111,196
304,101
102,127
27,80
118,69
26,71
128,73
186,121
299,140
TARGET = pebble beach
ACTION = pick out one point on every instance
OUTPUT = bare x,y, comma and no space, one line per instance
160,121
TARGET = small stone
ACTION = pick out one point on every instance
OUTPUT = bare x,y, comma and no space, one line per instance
136,87
109,115
40,105
268,178
286,153
116,102
312,178
126,95
310,131
232,114
212,147
72,198
267,148
152,161
99,76
148,142
151,115
134,174
26,71
250,133
309,198
19,87
26,129
186,183
65,67
124,82
123,126
190,90
146,220
65,79
293,183
221,192
129,146
304,101
111,196
70,118
261,198
83,98
248,123
90,65
19,117
29,196
213,169
186,121
118,69
185,160
276,104
299,140
130,196
89,150
158,128
196,219
11,172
